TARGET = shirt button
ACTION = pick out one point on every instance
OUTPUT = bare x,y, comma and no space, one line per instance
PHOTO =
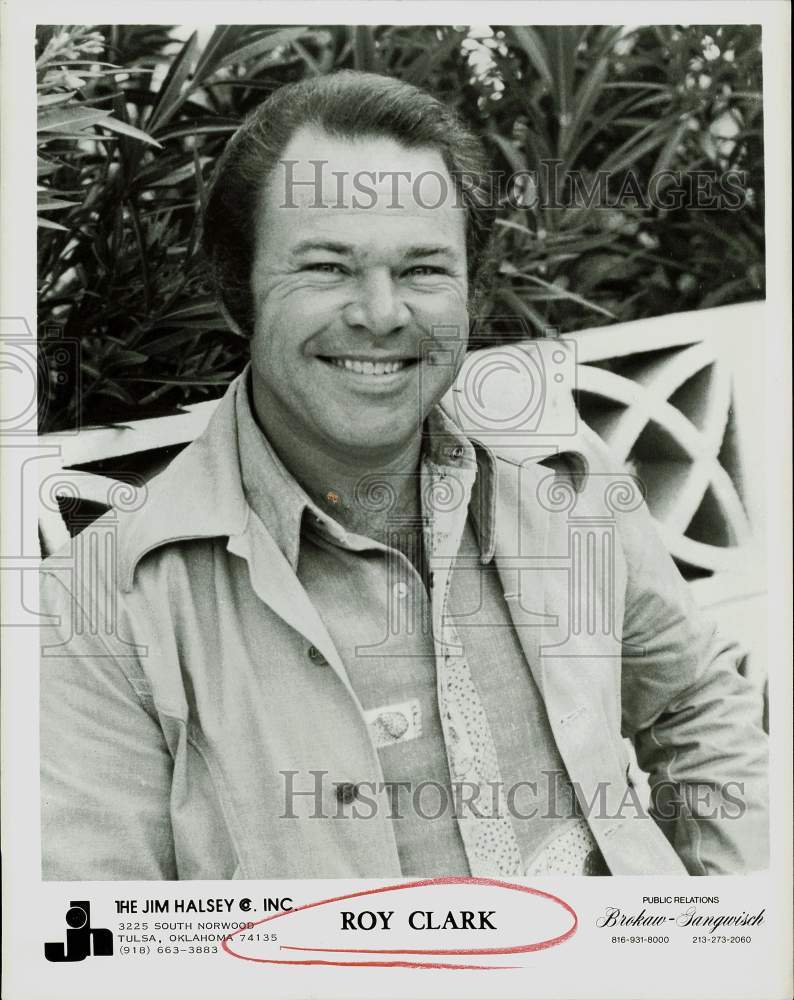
401,591
316,656
346,792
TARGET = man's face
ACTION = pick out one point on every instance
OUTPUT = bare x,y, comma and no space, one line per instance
352,297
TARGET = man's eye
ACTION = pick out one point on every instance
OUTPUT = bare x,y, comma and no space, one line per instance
425,270
323,267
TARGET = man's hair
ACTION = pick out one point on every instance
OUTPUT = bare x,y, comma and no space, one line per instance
347,105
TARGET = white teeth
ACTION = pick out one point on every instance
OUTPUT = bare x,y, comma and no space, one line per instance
368,367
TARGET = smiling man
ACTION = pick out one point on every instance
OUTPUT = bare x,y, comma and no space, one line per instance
349,286
329,645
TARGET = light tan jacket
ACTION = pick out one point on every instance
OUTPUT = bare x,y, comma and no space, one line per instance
190,670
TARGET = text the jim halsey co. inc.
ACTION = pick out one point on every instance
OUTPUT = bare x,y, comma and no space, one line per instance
269,904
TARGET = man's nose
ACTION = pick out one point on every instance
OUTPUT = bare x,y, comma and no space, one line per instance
378,306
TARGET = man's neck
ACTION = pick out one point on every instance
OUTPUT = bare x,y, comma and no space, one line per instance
370,493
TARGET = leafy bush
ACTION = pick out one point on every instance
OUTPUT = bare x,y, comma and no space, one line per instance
131,120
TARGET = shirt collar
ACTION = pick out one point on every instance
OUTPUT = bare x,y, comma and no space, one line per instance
274,494
446,446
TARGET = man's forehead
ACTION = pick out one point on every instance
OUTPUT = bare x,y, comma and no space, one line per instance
369,173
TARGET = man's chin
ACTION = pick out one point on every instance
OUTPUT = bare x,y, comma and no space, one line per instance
374,440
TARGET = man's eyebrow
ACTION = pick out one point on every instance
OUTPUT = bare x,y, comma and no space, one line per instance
328,246
333,246
429,251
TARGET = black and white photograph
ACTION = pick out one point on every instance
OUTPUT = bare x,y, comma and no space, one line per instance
401,490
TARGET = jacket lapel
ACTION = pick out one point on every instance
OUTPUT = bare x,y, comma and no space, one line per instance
572,667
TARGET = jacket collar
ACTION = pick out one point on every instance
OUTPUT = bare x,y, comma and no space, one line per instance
199,495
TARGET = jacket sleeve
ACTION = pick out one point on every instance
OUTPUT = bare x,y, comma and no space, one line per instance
694,719
105,766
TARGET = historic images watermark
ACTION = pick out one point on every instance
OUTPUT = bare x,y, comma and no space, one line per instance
553,797
550,187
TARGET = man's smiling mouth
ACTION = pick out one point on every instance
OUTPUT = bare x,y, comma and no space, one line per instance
361,366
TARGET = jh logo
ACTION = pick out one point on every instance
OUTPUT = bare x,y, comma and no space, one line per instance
82,939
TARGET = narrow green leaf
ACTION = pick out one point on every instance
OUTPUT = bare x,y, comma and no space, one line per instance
668,151
222,37
140,241
563,293
510,151
531,42
176,176
215,322
116,391
364,52
311,63
634,85
45,203
588,92
76,116
48,100
126,357
241,83
201,190
522,308
421,68
171,95
44,167
217,378
202,307
163,344
718,295
509,224
601,123
636,147
261,46
84,136
212,127
48,224
115,125
562,40
605,40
